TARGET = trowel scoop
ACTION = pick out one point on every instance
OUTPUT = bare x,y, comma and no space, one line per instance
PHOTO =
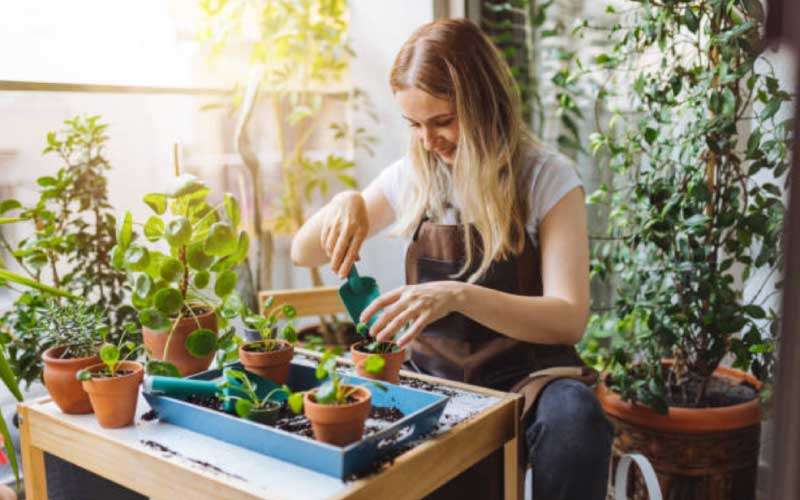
357,293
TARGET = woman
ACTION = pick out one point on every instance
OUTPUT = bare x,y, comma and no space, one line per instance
497,262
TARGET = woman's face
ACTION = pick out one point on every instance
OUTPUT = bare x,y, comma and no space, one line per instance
432,120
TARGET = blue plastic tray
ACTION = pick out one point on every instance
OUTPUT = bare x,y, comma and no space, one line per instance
421,409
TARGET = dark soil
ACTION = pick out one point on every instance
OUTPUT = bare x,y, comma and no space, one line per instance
172,453
265,347
379,348
426,386
150,415
719,393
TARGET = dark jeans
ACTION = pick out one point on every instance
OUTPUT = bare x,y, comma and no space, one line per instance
569,443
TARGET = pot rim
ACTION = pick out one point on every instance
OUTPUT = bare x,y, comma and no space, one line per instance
286,346
308,394
139,368
687,420
354,348
47,357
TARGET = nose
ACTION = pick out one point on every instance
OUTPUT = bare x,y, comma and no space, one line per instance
427,136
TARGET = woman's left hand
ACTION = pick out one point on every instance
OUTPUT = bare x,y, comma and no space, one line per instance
420,304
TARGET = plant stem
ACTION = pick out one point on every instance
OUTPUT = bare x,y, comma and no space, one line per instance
169,336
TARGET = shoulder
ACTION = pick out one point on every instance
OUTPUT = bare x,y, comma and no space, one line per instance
394,180
548,177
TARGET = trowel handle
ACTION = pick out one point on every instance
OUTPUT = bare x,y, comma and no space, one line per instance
354,281
172,386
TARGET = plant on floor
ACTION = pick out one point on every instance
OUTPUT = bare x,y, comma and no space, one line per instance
250,402
293,74
69,247
700,211
196,275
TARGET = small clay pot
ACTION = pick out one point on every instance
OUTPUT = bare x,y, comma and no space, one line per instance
270,365
114,398
267,415
178,355
391,369
59,378
338,424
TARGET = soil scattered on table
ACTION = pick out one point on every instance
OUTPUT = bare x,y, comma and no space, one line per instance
172,453
150,415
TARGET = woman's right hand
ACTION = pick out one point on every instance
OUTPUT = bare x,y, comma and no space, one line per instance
345,226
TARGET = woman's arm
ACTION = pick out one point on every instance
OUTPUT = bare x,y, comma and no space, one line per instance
345,222
558,317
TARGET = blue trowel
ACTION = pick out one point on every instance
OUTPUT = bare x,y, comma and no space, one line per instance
357,293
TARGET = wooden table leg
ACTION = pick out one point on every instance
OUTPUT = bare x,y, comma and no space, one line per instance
513,482
32,461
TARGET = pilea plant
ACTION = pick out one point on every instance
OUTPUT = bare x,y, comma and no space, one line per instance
250,401
196,274
695,209
333,391
111,355
267,325
372,345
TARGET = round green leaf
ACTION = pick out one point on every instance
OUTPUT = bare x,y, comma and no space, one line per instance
8,205
201,279
168,301
225,284
109,354
289,311
232,209
157,202
295,402
118,257
125,230
153,319
197,258
154,228
137,258
221,240
374,364
142,285
200,343
243,408
162,368
171,269
178,231
183,185
141,303
242,246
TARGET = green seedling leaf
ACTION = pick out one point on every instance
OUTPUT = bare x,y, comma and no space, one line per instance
8,205
201,279
326,394
118,257
243,408
363,330
295,402
183,185
374,364
242,246
221,240
171,269
289,334
109,354
163,368
197,258
125,230
142,285
178,232
289,311
153,319
225,284
232,209
200,343
83,375
154,228
157,202
268,302
137,258
168,300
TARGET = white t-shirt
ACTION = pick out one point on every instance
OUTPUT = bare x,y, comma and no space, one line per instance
553,176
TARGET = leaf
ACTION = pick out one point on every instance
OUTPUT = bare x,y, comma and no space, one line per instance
201,279
137,258
178,232
8,205
225,284
184,185
326,394
109,354
46,181
118,257
168,300
157,202
125,230
770,109
242,247
650,135
142,285
221,240
198,259
295,402
243,408
154,228
202,342
8,377
374,364
31,283
162,368
232,209
171,269
153,319
755,311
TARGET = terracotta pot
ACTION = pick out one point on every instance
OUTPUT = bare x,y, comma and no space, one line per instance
710,452
338,424
272,365
267,415
114,398
155,340
391,368
59,378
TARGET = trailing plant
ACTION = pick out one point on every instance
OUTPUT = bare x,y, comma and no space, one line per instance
300,51
267,325
111,355
197,272
249,399
696,210
69,248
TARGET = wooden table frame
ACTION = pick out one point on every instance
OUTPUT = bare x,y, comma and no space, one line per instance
430,464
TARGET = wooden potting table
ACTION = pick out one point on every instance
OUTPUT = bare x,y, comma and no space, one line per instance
178,470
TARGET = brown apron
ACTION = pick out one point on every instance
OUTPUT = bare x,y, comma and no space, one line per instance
458,348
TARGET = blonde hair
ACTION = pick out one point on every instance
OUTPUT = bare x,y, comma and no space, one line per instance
452,59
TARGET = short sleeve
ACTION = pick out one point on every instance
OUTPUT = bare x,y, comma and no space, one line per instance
394,181
553,178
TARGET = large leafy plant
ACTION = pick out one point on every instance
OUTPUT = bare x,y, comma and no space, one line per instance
696,209
183,263
69,246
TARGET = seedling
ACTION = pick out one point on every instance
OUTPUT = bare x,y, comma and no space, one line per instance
249,405
372,345
267,325
110,355
333,391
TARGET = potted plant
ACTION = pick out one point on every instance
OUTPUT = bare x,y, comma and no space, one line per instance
271,356
695,217
113,385
375,359
181,293
251,406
